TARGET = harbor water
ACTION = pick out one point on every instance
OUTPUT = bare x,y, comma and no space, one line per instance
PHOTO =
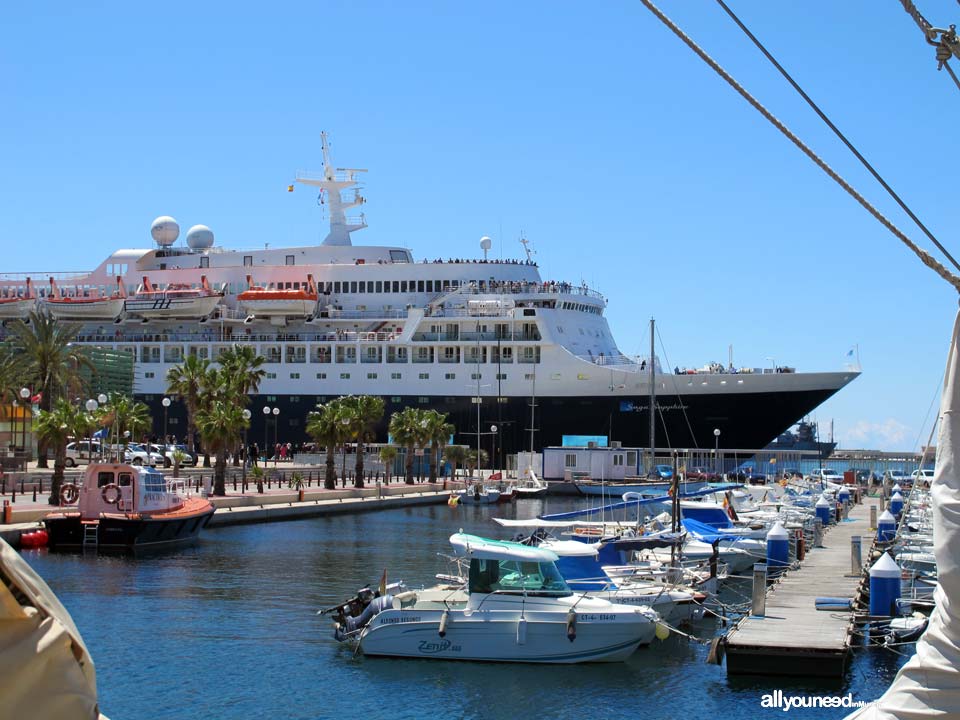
228,629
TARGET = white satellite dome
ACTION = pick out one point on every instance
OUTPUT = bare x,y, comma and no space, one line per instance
485,243
164,231
200,237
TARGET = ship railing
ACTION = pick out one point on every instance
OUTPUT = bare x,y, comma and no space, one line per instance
338,175
74,276
507,287
361,314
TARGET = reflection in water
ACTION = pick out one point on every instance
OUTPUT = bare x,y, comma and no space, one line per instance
228,629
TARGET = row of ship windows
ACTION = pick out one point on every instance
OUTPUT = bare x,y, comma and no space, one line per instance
374,376
349,355
580,307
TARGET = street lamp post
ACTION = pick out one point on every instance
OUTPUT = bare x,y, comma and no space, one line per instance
91,406
716,444
24,395
493,447
246,452
166,405
102,399
266,423
276,433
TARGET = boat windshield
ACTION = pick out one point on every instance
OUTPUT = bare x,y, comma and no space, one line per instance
517,577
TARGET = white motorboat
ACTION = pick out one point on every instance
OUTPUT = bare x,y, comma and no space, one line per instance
176,300
85,304
478,494
530,487
14,305
516,608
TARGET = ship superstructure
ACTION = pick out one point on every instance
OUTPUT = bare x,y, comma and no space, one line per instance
445,333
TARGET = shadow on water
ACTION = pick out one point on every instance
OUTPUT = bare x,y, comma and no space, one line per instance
228,629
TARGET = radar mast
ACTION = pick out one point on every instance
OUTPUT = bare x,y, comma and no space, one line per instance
334,181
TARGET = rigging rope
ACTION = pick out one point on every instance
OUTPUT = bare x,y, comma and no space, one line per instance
948,45
837,132
923,255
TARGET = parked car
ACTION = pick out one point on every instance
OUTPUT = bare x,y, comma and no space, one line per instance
661,472
137,454
747,476
79,451
922,475
702,474
791,474
826,475
166,451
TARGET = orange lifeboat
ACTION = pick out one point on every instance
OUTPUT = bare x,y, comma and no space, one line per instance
279,301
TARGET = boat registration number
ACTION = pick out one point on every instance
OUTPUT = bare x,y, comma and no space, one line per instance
597,617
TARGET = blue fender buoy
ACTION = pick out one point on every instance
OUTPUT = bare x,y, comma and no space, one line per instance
886,527
844,496
884,586
896,504
823,510
778,550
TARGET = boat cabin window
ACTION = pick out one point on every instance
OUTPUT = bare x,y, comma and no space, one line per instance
204,261
104,478
290,259
126,480
248,260
153,482
516,577
399,256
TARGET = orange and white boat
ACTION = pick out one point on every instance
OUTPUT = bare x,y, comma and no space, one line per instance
123,507
177,300
293,300
14,305
85,304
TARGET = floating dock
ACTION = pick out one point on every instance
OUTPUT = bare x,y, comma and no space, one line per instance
793,637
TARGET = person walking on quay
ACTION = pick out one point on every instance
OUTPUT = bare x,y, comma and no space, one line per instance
255,454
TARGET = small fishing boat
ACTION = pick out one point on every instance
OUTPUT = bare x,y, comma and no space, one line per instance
14,306
515,608
907,629
283,300
478,494
177,300
85,304
530,487
122,507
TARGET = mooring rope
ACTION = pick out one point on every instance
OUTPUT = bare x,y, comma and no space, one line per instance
922,254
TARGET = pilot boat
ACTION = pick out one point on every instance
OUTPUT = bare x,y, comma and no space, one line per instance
176,300
14,305
86,304
516,607
123,507
290,299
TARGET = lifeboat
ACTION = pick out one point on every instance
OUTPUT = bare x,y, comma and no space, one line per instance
177,300
126,508
14,306
279,302
85,305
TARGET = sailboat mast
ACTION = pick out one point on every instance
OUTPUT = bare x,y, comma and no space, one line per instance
653,399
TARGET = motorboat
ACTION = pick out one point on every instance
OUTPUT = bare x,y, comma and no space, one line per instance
176,300
14,305
530,486
478,494
515,607
280,300
125,507
85,304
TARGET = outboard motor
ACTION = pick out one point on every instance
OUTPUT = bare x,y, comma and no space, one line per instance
350,625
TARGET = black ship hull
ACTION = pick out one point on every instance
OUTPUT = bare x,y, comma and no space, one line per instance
126,535
745,420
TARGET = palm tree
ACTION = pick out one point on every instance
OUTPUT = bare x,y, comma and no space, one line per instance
475,460
388,453
188,381
51,363
243,371
360,415
129,415
54,428
406,429
456,455
437,431
325,427
219,423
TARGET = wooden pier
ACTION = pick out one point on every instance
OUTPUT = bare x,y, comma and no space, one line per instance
793,637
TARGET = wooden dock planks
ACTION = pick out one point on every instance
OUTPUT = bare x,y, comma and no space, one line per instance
793,637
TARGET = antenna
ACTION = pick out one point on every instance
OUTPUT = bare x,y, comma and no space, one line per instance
526,248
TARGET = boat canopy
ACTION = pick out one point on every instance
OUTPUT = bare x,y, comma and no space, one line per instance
473,546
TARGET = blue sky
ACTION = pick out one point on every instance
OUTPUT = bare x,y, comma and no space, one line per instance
589,127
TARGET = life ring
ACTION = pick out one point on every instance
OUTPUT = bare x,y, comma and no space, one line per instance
110,498
69,493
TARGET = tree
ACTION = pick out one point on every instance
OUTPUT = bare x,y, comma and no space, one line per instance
242,371
51,363
219,422
325,427
474,460
54,428
360,415
188,380
436,431
456,455
406,430
388,453
128,416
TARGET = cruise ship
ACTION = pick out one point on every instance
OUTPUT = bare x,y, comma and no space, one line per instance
336,319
